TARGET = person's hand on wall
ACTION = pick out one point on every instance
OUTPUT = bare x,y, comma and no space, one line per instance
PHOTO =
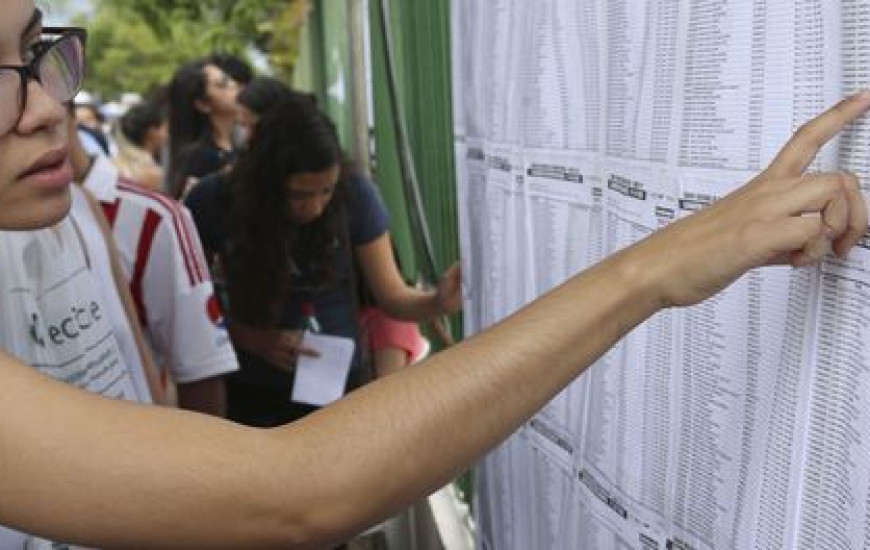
449,291
782,216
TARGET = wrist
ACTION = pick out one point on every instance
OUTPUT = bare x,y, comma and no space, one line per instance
439,306
645,279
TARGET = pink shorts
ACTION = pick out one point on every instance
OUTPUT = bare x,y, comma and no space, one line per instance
385,332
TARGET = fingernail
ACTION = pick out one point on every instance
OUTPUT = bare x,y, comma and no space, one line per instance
861,95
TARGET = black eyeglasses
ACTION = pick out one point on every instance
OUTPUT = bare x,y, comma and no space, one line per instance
58,64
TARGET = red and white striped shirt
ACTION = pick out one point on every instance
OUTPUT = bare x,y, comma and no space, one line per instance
169,278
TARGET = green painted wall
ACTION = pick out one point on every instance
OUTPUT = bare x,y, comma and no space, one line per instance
323,67
421,38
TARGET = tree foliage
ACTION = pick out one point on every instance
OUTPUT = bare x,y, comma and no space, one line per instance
136,45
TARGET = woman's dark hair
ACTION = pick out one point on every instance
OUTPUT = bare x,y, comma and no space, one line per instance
188,126
234,66
264,92
140,118
294,137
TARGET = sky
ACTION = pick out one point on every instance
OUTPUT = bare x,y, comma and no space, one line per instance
57,15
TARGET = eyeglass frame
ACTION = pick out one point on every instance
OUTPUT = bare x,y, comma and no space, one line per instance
28,71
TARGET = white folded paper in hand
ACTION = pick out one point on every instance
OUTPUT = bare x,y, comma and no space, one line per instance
320,380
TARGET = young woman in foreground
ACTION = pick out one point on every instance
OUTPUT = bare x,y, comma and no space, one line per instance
103,473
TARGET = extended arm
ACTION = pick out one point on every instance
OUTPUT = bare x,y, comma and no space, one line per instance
214,484
124,475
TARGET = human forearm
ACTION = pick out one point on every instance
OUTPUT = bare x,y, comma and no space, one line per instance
126,470
468,398
317,480
435,419
416,304
412,304
398,299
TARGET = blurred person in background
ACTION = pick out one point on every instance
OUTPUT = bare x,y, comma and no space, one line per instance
90,123
234,66
141,134
256,99
391,343
202,119
172,293
286,223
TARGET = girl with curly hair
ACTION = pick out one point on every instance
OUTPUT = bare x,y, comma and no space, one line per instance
285,225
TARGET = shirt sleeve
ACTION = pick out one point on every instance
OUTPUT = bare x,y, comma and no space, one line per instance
205,207
184,318
205,159
368,218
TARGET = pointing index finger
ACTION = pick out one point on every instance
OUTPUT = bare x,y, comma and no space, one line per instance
801,149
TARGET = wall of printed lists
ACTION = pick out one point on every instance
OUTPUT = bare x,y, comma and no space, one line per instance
584,125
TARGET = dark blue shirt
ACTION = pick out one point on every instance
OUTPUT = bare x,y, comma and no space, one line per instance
335,304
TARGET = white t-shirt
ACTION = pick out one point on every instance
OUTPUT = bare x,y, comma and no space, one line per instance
52,316
169,278
101,266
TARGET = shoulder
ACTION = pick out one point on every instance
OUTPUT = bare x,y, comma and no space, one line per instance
201,150
209,203
368,218
140,213
361,188
209,193
102,178
132,196
204,158
210,185
157,230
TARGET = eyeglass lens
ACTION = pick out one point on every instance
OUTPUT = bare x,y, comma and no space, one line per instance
10,99
60,70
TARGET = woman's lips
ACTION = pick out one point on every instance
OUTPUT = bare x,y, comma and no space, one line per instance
53,169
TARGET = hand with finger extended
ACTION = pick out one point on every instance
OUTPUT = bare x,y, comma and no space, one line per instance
782,216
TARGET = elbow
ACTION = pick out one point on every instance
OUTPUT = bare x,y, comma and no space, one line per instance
392,304
314,529
302,514
295,529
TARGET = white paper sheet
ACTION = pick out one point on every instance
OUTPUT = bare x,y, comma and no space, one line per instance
743,422
321,380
